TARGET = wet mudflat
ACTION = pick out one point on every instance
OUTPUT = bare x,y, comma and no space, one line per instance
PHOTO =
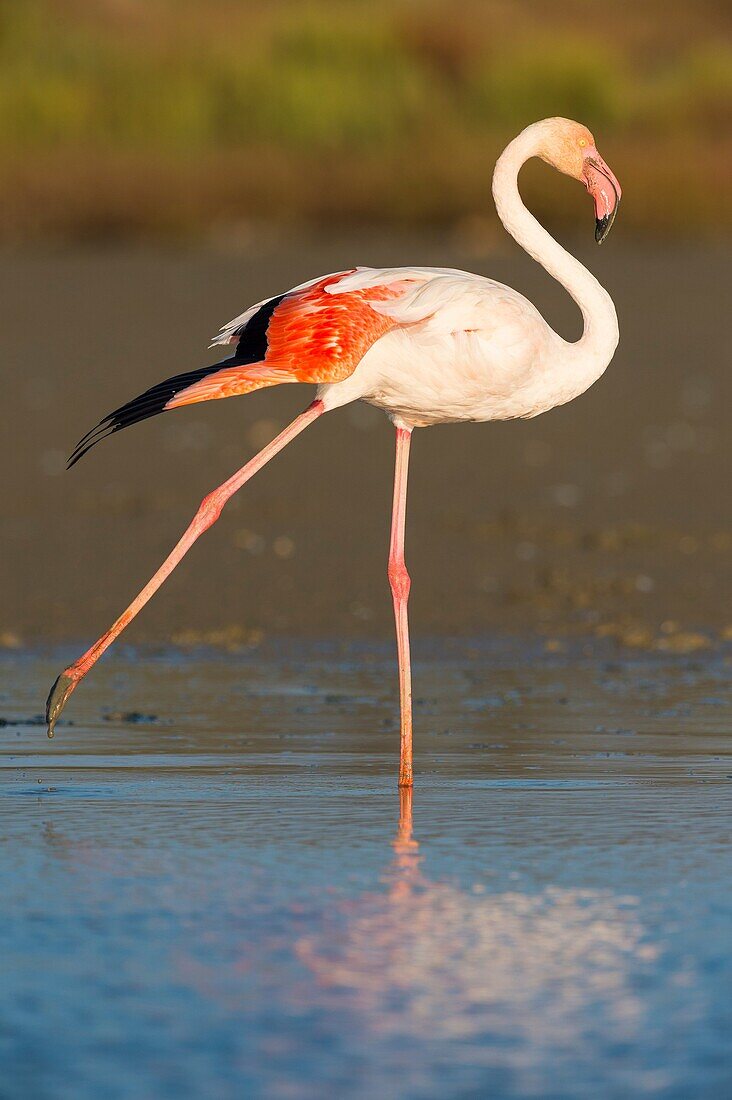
209,886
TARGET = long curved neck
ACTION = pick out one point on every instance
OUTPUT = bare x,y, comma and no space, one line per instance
600,336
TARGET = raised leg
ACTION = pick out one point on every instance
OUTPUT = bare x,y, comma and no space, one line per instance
400,585
205,517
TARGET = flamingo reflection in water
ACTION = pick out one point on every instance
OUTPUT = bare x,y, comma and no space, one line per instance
518,983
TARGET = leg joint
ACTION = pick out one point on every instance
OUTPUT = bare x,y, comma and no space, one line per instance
211,506
399,579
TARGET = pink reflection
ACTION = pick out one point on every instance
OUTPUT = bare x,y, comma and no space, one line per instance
527,975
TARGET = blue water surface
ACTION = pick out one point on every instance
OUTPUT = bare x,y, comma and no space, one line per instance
221,893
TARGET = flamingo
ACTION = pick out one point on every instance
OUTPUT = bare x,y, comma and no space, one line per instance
426,345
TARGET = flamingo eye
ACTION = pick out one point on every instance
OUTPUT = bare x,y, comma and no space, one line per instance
582,142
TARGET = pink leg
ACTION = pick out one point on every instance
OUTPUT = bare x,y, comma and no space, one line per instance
400,584
205,517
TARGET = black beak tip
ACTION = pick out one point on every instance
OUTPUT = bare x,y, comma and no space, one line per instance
604,225
602,228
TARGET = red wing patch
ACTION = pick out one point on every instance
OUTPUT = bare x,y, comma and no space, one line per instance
321,337
311,336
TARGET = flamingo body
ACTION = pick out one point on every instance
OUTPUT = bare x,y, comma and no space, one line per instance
426,345
463,347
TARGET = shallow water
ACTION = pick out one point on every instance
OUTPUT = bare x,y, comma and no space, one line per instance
219,893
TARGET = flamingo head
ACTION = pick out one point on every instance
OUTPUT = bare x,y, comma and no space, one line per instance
570,148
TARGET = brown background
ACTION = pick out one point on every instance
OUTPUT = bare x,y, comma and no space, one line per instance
610,514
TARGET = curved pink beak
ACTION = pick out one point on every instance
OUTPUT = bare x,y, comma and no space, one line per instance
605,190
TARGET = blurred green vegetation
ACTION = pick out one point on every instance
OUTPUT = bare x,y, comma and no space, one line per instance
131,117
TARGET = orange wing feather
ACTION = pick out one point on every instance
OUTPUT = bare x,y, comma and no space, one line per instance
312,336
320,337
